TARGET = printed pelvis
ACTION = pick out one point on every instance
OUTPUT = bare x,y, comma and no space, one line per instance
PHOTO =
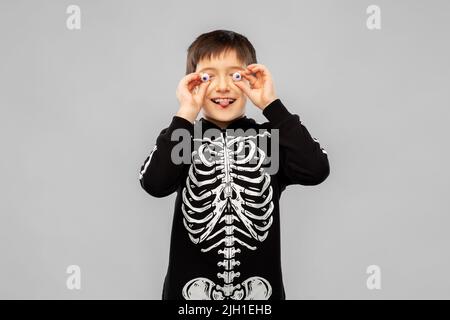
227,203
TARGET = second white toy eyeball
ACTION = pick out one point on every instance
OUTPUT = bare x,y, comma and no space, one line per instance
205,77
237,76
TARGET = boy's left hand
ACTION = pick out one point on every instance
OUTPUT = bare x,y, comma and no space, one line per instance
260,89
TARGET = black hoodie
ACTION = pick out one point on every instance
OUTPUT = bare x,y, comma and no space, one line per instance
225,241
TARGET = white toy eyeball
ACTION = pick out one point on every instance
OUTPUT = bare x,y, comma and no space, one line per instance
205,77
237,76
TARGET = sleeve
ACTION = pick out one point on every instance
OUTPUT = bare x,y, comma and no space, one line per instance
302,160
159,175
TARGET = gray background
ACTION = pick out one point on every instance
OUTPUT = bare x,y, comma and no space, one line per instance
81,110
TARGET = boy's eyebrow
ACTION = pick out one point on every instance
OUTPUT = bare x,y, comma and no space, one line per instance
232,67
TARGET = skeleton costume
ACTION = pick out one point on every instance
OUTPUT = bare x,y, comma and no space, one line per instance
225,241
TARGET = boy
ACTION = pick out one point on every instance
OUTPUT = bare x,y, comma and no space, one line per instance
225,241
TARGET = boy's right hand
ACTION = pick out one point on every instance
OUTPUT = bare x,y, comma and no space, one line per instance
191,99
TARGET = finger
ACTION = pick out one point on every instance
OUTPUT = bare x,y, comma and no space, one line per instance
257,75
244,87
191,77
202,88
252,79
194,83
256,65
249,72
259,68
258,71
252,65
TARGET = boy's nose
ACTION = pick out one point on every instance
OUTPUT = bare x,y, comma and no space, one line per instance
222,84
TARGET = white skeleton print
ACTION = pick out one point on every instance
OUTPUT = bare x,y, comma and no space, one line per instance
227,204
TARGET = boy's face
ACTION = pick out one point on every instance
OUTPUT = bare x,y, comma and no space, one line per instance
221,70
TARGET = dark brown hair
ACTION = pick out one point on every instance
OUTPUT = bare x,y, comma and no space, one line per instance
214,43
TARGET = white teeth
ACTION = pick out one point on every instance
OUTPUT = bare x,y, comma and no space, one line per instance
220,100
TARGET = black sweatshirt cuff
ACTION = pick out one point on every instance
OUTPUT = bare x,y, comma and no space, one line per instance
276,113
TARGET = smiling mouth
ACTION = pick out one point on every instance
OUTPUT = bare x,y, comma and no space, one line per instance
223,102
